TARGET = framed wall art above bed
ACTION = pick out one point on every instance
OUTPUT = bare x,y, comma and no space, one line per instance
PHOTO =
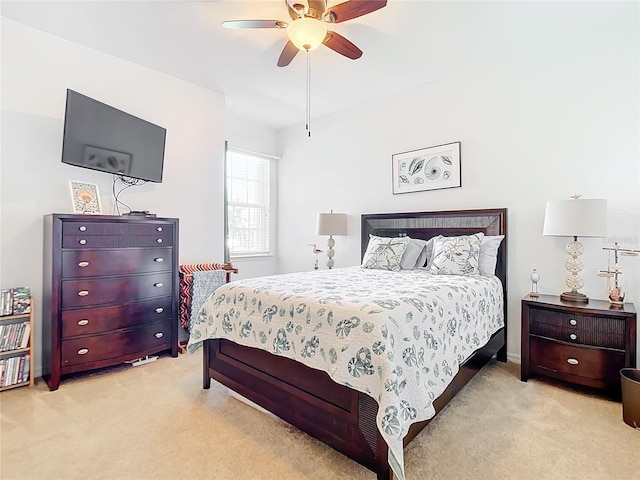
429,168
346,363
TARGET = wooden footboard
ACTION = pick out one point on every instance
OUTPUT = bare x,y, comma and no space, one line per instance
307,398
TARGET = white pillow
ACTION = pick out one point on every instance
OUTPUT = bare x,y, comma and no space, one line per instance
456,255
412,254
385,253
425,256
489,254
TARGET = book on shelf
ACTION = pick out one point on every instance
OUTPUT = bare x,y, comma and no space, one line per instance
6,304
26,369
5,337
21,300
26,334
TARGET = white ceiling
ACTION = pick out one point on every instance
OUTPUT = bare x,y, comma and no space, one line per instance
405,44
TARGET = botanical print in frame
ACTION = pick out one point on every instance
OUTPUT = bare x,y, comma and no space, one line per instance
85,197
427,169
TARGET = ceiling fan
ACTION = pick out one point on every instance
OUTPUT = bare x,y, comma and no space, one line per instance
308,27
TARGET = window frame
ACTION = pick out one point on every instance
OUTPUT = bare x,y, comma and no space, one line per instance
229,256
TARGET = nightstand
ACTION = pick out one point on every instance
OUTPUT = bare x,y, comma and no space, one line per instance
584,344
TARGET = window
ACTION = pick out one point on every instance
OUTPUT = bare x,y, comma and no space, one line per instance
249,191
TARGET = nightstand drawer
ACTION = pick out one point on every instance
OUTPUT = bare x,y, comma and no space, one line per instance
579,329
549,357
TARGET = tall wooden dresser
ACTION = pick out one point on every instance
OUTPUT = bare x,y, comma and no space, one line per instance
110,291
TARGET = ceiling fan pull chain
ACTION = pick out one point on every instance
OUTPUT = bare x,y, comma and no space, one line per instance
308,93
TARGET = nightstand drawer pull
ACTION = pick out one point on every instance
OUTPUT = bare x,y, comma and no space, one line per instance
573,322
83,322
83,351
83,264
83,293
159,310
159,229
82,242
573,336
159,335
159,284
159,240
82,228
158,260
572,361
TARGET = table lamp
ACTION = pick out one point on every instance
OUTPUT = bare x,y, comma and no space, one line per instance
331,224
575,218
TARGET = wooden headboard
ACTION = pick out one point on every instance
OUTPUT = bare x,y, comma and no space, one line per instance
425,225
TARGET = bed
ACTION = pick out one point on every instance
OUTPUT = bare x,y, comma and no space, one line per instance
343,412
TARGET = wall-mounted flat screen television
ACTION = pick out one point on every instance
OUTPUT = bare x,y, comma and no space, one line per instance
103,138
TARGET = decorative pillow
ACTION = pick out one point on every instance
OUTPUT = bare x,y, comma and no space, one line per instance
456,255
425,256
412,253
385,253
489,254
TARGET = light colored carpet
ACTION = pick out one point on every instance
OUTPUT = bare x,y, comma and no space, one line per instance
156,422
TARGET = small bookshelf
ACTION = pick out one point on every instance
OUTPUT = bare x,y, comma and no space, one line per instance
16,348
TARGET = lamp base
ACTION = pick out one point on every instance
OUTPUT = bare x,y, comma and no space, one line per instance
575,297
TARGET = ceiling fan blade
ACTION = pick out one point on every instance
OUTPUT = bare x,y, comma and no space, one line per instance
254,24
287,54
353,9
319,6
294,13
338,43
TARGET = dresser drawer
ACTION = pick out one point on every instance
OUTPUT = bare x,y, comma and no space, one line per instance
117,241
598,331
549,357
115,228
117,290
90,263
99,348
88,321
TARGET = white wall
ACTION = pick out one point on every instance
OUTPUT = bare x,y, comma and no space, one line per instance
37,68
550,110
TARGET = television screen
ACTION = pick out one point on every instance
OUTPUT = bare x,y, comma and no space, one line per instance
103,138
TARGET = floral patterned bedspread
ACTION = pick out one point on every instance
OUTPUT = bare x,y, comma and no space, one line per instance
397,336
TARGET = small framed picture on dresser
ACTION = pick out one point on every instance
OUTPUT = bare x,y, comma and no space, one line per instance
85,197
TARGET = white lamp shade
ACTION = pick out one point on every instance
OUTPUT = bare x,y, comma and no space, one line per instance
576,217
307,33
331,224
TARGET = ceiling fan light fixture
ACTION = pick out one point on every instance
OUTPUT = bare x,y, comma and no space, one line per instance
307,33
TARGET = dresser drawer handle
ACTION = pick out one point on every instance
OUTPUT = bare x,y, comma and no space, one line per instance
573,336
158,260
159,310
159,240
82,228
572,361
82,242
159,335
83,322
159,229
573,322
83,293
159,284
83,264
83,351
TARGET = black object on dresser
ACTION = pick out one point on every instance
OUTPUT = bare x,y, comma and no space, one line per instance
585,344
110,291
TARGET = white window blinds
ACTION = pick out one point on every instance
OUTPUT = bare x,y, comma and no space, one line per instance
248,177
